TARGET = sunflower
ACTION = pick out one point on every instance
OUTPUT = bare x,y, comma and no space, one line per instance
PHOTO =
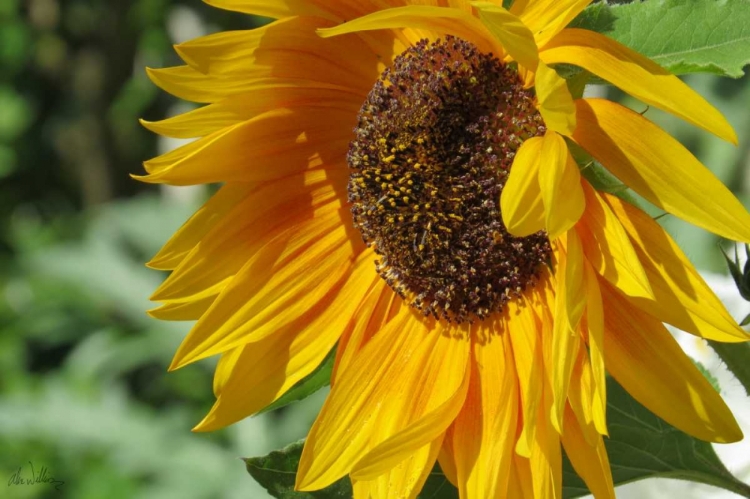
397,182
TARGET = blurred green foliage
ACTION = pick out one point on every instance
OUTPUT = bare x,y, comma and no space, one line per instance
83,383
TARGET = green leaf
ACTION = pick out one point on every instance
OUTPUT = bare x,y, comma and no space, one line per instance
745,321
683,36
642,445
310,384
735,356
276,473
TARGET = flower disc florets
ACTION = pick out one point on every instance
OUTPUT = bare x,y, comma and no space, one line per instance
435,141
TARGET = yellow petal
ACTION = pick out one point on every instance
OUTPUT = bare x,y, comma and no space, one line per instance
437,19
243,231
570,301
580,397
376,399
405,480
659,168
595,324
376,306
521,200
296,275
250,377
484,432
647,361
271,8
546,456
591,463
238,108
511,32
190,310
608,247
681,296
202,221
560,182
546,18
308,137
636,75
288,48
555,102
522,329
446,459
520,485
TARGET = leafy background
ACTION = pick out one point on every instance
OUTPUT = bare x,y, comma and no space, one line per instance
83,383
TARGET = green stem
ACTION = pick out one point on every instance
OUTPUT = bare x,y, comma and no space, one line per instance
737,358
727,482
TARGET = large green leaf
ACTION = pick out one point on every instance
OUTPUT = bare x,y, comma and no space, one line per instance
684,36
641,445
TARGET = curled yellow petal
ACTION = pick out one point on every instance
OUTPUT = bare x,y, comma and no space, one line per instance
521,201
560,182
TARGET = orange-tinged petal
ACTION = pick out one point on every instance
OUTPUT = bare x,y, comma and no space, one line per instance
570,301
243,231
560,182
521,201
436,19
202,221
659,168
555,102
647,361
250,377
511,32
484,432
293,276
636,75
374,313
397,380
681,296
446,458
309,137
595,325
591,463
608,247
288,48
546,18
523,331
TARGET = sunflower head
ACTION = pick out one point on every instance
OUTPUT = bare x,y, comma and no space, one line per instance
433,146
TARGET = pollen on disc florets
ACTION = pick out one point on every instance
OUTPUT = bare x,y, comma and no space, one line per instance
434,143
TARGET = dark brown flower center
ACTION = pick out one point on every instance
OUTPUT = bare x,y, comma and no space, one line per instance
435,140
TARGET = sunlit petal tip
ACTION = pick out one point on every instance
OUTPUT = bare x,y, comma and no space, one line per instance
189,60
